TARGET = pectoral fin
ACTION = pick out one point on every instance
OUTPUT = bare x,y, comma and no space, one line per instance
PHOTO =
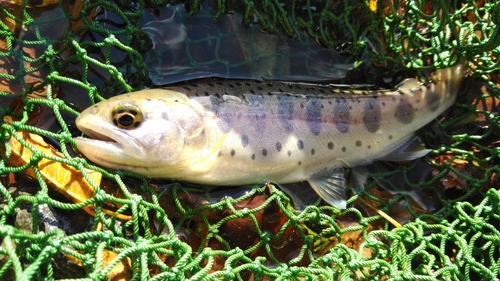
330,187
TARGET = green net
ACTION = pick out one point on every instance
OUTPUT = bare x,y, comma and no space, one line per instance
60,220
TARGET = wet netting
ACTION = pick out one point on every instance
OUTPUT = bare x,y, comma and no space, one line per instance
63,217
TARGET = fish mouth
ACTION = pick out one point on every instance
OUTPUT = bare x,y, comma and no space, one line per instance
97,136
107,145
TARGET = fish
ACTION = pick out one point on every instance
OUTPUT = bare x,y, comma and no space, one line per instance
238,133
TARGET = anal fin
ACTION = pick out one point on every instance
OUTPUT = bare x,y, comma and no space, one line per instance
331,187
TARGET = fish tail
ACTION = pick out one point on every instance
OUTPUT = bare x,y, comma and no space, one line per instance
450,78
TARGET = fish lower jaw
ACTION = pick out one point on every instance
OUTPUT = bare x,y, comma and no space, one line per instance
109,154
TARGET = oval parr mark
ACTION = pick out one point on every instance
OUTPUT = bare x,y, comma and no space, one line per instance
254,100
313,116
285,112
330,145
341,115
225,118
313,151
358,143
404,112
432,100
256,111
233,152
258,120
164,116
264,152
372,116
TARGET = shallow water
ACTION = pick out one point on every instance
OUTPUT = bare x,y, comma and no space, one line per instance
187,48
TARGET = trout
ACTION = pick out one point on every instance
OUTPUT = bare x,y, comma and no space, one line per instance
247,132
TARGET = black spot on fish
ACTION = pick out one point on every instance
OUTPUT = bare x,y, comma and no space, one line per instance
300,163
278,146
372,115
244,140
344,148
285,112
300,144
253,156
330,145
369,146
232,152
358,143
390,137
404,112
341,116
313,116
432,100
313,151
289,153
264,152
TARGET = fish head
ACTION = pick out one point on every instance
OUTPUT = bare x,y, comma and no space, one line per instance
141,129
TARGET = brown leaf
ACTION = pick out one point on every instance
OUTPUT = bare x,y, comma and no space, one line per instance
63,178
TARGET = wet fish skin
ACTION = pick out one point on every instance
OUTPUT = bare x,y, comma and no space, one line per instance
239,133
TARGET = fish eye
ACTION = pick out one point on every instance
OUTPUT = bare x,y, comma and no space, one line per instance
126,116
